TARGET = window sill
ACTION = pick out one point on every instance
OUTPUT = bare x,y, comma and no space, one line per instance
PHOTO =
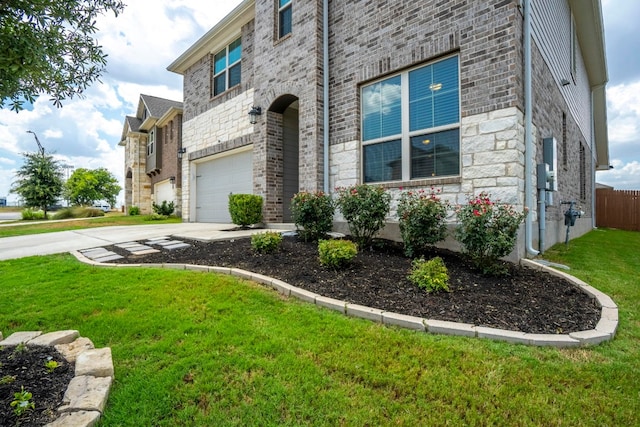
423,182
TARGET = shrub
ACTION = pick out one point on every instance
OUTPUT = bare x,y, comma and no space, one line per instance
165,208
313,212
78,212
29,214
336,253
431,275
421,218
266,242
365,208
134,210
487,231
245,209
155,217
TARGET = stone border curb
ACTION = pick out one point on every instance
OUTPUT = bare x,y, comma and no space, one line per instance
605,329
86,395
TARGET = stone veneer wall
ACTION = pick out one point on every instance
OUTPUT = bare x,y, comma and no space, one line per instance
136,161
214,131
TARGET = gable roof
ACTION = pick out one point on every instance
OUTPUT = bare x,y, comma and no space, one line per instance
159,110
223,33
157,107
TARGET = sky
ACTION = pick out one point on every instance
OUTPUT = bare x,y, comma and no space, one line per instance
150,34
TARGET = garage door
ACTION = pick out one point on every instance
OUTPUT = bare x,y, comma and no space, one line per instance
217,178
163,191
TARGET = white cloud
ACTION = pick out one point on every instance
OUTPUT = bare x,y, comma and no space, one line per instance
623,176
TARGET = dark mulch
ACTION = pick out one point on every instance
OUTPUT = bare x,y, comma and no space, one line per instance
26,367
526,300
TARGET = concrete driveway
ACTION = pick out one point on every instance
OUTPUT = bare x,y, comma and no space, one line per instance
65,241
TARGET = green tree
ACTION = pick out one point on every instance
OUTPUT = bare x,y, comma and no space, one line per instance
46,46
86,186
39,181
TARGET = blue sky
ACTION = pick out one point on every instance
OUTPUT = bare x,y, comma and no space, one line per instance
151,34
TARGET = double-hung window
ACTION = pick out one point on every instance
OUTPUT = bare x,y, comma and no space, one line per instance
411,124
284,17
227,67
152,142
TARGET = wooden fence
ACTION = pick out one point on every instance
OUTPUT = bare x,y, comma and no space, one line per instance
618,209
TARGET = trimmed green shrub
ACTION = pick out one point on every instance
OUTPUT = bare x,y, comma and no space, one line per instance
487,231
165,208
432,275
266,242
314,213
134,210
336,253
29,214
365,208
421,217
78,212
155,217
245,209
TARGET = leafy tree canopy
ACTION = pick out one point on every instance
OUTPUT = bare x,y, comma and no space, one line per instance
86,186
39,181
46,46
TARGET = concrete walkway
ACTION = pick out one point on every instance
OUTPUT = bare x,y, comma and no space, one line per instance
75,240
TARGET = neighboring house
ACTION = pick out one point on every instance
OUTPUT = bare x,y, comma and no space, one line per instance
152,140
403,94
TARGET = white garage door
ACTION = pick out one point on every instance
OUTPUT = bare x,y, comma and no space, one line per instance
217,178
163,191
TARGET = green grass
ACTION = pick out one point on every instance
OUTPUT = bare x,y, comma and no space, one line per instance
196,349
22,228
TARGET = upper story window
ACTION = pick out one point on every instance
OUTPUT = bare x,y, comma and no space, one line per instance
284,17
227,69
152,142
411,124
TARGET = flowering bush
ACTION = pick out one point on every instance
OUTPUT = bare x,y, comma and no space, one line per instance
487,231
336,253
314,212
365,208
421,218
429,275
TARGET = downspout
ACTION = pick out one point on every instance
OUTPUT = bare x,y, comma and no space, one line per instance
528,142
325,95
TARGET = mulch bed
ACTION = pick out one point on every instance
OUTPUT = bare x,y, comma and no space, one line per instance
26,367
525,300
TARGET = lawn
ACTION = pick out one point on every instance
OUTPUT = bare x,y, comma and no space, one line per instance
22,228
197,349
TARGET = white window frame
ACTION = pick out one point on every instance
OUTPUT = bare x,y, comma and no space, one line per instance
151,143
406,135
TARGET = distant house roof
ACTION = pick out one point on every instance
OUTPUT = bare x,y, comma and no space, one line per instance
158,110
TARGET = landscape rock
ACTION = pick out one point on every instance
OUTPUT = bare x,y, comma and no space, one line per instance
86,393
71,350
20,337
96,362
54,338
76,419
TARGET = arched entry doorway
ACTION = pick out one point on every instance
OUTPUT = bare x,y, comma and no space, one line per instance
284,118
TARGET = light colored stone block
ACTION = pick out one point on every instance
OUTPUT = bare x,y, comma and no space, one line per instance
609,313
20,337
303,295
450,328
76,419
607,326
71,350
86,393
174,266
241,273
590,337
54,338
363,312
220,270
193,267
260,278
552,340
282,287
96,363
403,321
331,303
502,335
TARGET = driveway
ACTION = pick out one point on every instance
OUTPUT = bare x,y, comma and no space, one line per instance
65,241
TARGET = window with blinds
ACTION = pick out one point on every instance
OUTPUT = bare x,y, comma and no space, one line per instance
410,124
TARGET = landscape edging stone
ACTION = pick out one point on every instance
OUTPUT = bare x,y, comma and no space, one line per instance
604,331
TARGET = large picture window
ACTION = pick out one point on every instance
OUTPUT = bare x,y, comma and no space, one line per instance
284,17
410,124
227,67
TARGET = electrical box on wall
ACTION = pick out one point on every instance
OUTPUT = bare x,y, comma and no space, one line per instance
550,157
